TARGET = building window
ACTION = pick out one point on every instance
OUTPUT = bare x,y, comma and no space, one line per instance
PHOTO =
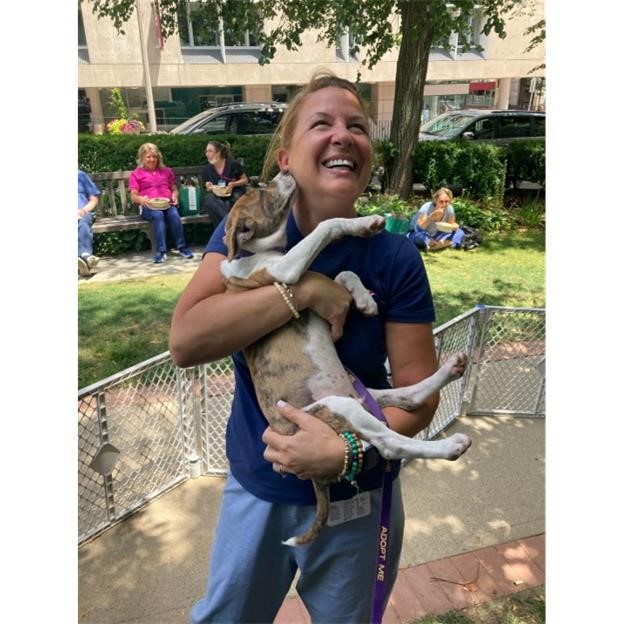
83,52
347,46
202,34
82,37
471,38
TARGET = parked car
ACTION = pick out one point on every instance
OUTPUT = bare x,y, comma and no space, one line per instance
243,118
493,126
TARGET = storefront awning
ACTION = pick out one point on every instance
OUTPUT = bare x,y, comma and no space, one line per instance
482,86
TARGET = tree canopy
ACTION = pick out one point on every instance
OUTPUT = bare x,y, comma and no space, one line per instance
374,26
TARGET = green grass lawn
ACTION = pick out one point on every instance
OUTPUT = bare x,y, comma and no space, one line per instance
526,607
123,323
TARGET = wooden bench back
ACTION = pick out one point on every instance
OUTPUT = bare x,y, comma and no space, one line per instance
114,187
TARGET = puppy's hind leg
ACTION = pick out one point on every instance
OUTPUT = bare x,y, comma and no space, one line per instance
411,397
390,444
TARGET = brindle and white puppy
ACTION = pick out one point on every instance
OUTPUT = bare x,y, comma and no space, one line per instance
298,362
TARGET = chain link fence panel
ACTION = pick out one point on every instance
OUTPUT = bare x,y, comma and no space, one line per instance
508,372
150,427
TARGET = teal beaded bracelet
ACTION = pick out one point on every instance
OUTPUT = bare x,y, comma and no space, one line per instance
356,456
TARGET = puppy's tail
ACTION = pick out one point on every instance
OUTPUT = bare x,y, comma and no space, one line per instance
322,513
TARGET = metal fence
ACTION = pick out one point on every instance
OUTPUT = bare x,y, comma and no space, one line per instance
150,427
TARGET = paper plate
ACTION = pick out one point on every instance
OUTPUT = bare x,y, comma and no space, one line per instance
443,226
159,203
221,191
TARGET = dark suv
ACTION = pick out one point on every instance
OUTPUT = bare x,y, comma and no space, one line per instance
493,126
244,118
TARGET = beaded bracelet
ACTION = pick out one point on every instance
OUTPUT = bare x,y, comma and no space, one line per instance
288,297
356,456
347,456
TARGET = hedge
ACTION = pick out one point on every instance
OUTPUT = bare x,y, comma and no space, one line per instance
483,170
98,153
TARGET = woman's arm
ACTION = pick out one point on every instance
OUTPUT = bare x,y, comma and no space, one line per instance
89,206
412,358
137,198
209,323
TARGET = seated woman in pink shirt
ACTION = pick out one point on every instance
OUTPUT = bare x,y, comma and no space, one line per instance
152,179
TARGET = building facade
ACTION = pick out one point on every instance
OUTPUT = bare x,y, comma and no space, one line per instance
201,66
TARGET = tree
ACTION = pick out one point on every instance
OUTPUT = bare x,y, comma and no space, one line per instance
376,25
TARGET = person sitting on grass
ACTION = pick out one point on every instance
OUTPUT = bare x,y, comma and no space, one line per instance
87,202
423,229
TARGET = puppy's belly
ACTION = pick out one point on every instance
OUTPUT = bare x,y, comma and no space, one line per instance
329,378
298,364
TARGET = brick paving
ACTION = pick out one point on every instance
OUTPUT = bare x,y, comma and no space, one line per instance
456,582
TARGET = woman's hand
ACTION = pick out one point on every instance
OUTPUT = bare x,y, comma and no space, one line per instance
314,451
208,186
436,214
325,297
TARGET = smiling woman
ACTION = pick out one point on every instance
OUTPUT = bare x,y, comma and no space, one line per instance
323,142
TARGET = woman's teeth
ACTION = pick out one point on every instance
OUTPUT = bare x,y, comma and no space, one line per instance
330,164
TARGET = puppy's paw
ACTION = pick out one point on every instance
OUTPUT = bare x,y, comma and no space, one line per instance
371,225
455,365
456,446
362,299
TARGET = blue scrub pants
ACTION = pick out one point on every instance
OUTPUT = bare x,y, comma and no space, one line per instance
420,238
85,235
157,218
251,571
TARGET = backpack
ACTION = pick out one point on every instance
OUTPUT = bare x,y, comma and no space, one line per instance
473,238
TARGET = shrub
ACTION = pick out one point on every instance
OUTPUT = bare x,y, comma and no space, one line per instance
526,160
478,167
531,214
113,243
484,217
384,204
118,152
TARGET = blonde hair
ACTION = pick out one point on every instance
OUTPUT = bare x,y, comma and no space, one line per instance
440,191
146,148
321,79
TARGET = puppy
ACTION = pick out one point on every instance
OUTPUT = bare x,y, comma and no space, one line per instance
298,362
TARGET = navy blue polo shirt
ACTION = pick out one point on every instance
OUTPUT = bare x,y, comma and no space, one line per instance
391,268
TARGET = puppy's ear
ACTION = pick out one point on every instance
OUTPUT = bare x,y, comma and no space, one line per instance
230,237
285,185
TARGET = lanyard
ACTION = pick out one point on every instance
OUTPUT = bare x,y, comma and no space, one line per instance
383,541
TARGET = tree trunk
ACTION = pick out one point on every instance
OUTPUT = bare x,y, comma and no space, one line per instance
417,30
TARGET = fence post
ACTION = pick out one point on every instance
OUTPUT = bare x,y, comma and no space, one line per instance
109,495
541,367
188,419
480,334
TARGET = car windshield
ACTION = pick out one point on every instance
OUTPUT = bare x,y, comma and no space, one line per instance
185,126
446,125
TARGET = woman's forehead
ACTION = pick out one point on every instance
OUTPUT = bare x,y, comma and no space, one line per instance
331,100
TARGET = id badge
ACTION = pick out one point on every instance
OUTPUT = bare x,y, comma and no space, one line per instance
351,509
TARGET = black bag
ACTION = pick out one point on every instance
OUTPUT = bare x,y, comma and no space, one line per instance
473,238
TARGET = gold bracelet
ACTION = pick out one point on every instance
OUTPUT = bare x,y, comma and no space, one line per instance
288,296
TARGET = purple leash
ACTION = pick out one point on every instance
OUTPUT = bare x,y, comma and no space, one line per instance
383,540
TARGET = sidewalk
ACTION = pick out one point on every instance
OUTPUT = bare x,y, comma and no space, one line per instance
140,264
478,522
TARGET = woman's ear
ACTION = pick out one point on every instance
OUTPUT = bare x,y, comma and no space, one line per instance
283,160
